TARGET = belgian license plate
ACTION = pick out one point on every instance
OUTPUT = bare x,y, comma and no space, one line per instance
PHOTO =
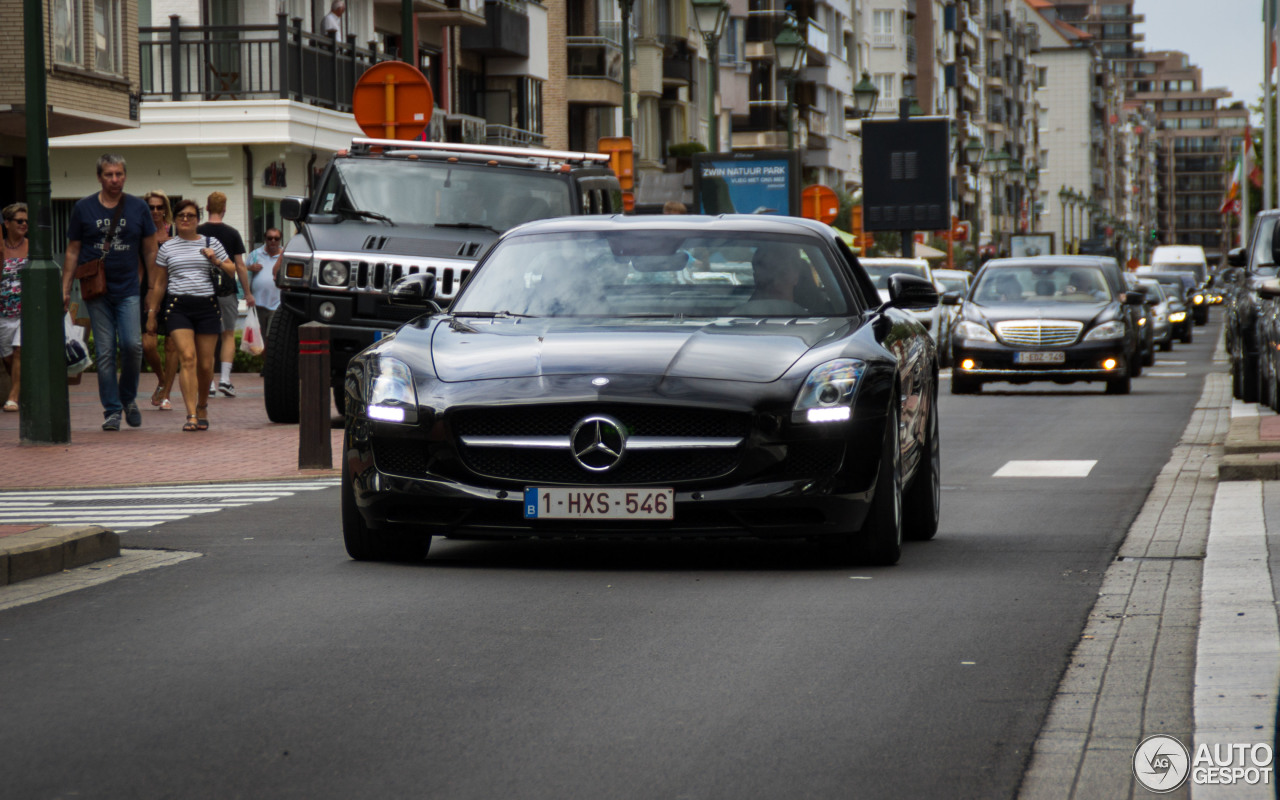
1041,357
611,503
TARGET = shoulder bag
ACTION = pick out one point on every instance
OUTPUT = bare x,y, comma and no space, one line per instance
93,274
223,284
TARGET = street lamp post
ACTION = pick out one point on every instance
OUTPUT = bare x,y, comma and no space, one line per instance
788,50
865,96
997,164
625,7
711,17
1015,174
974,150
1064,197
1033,189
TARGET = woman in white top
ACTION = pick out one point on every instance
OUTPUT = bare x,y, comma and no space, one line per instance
184,293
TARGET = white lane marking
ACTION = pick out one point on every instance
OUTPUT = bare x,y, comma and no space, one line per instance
1045,469
1164,374
1160,362
135,511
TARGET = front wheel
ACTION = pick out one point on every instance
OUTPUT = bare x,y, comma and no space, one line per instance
280,368
1119,385
366,544
881,537
961,385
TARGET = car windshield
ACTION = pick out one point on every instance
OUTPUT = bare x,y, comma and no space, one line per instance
658,274
1173,289
429,193
1046,283
880,272
1152,288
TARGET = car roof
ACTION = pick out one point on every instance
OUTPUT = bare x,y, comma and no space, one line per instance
693,223
1053,261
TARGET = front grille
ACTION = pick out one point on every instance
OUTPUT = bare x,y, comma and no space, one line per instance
810,460
1039,332
535,466
377,276
541,467
558,420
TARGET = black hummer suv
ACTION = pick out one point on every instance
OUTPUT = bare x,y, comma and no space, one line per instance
1249,268
385,209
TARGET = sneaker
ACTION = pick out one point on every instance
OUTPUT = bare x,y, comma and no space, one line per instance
213,389
112,422
132,416
227,389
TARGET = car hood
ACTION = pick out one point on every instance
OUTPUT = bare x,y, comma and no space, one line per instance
1079,312
752,350
376,240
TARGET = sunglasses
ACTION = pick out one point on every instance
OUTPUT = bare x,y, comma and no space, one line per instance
273,238
155,208
188,216
22,221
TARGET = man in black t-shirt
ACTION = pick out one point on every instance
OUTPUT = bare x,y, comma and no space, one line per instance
216,205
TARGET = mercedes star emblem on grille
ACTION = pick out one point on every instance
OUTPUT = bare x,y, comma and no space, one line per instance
601,381
597,442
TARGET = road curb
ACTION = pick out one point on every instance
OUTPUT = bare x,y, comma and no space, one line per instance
1250,467
52,548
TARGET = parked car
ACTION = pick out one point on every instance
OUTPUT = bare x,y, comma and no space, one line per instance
1246,309
1188,258
558,398
933,319
1181,316
1158,313
1056,318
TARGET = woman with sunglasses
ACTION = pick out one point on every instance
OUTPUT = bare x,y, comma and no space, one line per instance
158,203
15,260
183,289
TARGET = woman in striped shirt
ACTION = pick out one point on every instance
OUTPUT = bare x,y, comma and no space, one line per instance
183,293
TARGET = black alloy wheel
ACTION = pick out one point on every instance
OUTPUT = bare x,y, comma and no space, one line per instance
922,502
1121,385
962,385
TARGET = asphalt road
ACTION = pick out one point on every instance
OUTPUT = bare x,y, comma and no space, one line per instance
275,667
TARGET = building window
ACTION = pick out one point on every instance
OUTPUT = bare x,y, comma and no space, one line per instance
66,32
882,28
107,37
884,84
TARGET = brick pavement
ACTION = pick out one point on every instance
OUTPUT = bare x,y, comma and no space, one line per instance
239,445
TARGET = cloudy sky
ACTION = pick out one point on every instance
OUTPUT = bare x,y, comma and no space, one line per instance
1222,37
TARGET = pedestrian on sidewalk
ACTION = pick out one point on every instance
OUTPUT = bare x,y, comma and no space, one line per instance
15,260
117,228
183,293
264,263
167,369
231,241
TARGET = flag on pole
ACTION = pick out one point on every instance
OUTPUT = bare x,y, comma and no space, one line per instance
1244,166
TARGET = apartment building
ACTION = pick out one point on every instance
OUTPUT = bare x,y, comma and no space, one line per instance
1197,139
91,65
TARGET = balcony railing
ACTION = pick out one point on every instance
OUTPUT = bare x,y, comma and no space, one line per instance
594,57
883,40
509,136
250,62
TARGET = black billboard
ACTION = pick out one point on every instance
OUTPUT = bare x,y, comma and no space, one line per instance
906,175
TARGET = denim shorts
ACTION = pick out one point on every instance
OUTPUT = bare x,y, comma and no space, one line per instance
198,313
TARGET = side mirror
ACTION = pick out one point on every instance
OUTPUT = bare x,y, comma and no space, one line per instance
952,299
295,209
414,291
911,292
1269,289
1238,257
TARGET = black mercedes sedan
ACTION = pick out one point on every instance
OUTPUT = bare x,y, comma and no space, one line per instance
649,376
1044,319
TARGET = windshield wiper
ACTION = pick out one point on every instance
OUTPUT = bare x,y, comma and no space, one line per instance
357,212
466,225
491,315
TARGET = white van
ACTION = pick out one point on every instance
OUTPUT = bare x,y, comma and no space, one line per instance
1181,258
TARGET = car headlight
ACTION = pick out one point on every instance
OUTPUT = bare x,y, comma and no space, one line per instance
1142,321
1198,299
972,330
827,394
391,396
1107,330
1177,316
334,273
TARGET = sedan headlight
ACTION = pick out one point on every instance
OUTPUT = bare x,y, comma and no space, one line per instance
1177,316
1107,330
972,330
391,396
334,273
1198,299
827,394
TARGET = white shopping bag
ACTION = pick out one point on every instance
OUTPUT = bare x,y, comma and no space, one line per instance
77,354
251,340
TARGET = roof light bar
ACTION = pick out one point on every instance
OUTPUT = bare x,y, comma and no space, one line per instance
519,152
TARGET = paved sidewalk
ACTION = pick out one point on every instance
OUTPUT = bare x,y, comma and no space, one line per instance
239,445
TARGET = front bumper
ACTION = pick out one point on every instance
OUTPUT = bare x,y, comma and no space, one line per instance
1083,362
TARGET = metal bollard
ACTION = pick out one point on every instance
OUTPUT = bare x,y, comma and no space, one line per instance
315,450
